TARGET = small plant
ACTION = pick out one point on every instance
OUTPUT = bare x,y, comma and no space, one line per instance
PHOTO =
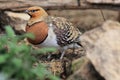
16,61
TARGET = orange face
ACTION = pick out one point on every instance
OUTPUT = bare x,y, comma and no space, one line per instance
36,11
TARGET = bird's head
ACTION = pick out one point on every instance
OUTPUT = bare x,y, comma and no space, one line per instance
36,11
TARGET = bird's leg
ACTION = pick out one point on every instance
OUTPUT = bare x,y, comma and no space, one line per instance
49,56
62,51
62,55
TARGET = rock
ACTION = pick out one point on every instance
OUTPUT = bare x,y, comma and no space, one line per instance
103,49
84,70
16,20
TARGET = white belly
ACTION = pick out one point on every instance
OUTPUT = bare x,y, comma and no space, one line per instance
51,40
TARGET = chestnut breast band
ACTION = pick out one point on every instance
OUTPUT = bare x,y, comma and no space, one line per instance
39,30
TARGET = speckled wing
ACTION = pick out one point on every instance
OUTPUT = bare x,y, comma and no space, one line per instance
65,32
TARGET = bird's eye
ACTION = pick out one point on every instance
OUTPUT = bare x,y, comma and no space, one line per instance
33,10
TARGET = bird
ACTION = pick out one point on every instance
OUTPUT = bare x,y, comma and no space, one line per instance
51,31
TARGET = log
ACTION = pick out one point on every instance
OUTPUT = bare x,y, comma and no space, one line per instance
7,4
59,4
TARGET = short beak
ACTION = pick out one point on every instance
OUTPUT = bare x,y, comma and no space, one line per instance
26,11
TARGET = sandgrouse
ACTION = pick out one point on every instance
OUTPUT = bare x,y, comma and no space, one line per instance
51,31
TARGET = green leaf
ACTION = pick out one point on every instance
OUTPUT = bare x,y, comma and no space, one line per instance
40,71
3,58
17,62
29,35
52,77
22,48
43,73
45,50
3,40
9,31
16,59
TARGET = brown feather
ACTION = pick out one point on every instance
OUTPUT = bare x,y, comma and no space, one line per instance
40,31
